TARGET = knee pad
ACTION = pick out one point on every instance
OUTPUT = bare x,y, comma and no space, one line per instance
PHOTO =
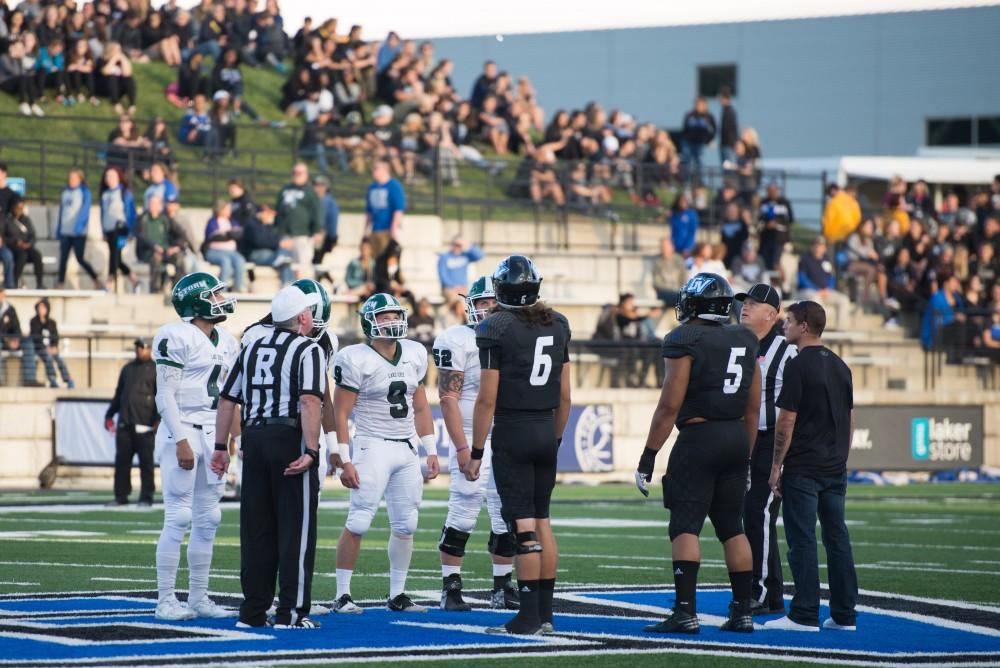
502,544
358,522
406,526
727,522
528,537
177,519
453,541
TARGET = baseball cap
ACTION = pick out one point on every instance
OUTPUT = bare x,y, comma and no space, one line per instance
763,293
220,95
319,180
382,110
141,342
290,301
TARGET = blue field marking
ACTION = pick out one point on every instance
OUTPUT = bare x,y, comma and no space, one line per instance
74,604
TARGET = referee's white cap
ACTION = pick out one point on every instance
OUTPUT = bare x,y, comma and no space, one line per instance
290,301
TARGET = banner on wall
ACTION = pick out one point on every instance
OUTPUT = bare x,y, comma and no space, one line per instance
916,438
81,439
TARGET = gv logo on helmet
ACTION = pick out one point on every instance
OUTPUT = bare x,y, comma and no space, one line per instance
698,284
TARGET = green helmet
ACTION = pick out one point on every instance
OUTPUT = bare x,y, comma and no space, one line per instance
381,303
192,298
482,288
321,312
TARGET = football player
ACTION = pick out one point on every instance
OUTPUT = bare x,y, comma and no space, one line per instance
457,359
380,382
711,391
193,357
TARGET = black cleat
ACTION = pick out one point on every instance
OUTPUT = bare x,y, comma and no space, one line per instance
678,622
740,618
517,627
346,605
506,598
403,603
451,595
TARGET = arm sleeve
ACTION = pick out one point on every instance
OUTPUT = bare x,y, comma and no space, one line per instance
345,374
489,358
168,383
475,254
312,372
233,388
791,387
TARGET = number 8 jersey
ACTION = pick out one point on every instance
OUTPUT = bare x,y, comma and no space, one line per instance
724,358
204,364
385,387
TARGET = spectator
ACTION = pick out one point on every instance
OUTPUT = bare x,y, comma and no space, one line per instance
13,340
543,180
582,194
440,150
735,232
627,318
242,206
135,404
117,222
196,128
221,118
920,202
16,79
389,277
330,215
158,138
669,273
483,85
227,76
360,274
127,149
127,31
897,210
699,130
80,73
117,73
266,246
863,259
775,219
453,268
729,129
990,336
348,94
7,259
19,236
387,52
159,186
191,82
385,203
494,128
421,323
7,194
71,225
161,242
270,41
920,244
902,288
748,268
954,214
222,235
944,317
212,36
50,69
299,217
321,138
817,283
986,266
45,337
749,163
841,215
683,225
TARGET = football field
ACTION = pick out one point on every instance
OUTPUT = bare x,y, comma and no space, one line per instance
77,585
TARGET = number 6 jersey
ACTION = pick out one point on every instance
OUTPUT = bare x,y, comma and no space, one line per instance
724,358
203,364
385,387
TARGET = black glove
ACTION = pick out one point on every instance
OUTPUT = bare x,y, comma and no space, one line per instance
644,472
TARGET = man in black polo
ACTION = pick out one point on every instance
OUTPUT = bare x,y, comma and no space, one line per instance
761,304
812,440
135,405
280,380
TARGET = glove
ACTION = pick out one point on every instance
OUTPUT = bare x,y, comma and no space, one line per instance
644,472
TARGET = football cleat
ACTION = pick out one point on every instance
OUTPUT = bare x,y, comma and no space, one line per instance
516,627
831,625
317,610
173,610
451,595
506,598
547,629
403,603
740,617
346,605
208,608
679,622
300,623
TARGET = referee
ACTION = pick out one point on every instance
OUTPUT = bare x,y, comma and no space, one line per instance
761,305
280,379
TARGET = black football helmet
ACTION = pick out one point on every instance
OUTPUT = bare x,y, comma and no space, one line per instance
706,296
516,282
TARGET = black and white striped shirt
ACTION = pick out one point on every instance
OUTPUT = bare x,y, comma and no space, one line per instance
772,354
273,372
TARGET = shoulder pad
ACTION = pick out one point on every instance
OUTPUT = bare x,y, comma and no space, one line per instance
494,326
681,341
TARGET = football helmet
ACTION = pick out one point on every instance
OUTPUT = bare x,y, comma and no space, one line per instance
516,282
192,298
321,311
381,303
482,288
706,296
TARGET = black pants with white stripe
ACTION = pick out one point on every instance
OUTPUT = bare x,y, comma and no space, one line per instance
760,521
277,526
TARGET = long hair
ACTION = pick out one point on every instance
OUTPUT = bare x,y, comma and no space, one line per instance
536,314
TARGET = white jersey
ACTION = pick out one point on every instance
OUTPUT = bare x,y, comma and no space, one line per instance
204,364
455,350
385,388
328,342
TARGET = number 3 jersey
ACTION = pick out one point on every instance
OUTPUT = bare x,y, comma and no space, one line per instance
724,358
203,364
455,350
529,357
385,387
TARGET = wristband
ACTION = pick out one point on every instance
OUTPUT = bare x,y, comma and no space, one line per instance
344,450
330,438
222,447
647,461
461,449
312,453
477,453
430,445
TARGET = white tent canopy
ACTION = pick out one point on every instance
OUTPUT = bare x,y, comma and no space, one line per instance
941,170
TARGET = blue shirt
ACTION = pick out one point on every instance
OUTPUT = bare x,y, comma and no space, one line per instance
937,314
683,227
382,202
331,214
166,191
453,270
74,212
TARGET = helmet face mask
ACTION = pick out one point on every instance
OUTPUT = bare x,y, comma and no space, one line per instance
516,282
481,290
199,296
321,311
706,296
376,305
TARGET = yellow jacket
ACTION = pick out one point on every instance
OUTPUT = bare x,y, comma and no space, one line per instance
840,217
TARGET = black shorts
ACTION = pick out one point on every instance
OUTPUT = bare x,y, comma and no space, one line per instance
706,477
524,466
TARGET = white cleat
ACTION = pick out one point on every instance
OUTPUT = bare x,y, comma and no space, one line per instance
786,624
317,610
831,625
208,608
172,610
346,605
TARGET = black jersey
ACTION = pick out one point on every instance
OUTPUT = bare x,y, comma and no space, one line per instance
529,357
724,358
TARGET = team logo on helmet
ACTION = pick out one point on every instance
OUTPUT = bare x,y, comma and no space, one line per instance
196,296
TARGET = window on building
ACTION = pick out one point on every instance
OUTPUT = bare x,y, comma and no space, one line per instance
988,130
949,132
711,78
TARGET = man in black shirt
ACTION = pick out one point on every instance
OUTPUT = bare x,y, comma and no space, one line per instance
699,130
812,441
135,405
775,218
711,391
524,394
729,131
7,195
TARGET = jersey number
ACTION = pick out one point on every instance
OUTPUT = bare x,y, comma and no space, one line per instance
338,375
442,357
213,385
542,366
732,385
397,400
262,369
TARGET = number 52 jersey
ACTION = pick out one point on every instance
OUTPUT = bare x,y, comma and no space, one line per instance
385,387
202,362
